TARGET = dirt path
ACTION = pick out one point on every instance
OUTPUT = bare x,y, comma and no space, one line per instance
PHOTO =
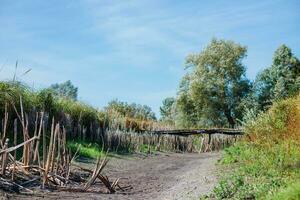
162,176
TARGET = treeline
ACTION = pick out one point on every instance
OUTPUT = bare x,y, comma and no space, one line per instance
59,102
216,92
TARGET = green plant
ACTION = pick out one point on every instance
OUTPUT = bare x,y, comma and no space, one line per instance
291,192
267,161
89,150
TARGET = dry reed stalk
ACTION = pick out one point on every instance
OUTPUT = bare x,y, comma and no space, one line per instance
44,146
47,167
15,152
8,150
33,144
4,157
53,151
5,123
36,151
28,145
58,152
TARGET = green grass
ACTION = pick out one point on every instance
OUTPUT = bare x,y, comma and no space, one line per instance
291,192
255,172
89,150
145,148
266,164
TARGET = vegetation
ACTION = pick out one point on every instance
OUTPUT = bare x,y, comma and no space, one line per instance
266,164
279,81
167,109
216,92
81,121
66,90
137,111
86,149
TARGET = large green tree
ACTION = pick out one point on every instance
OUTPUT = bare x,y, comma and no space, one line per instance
213,89
280,80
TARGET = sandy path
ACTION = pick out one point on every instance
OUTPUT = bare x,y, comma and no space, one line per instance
162,177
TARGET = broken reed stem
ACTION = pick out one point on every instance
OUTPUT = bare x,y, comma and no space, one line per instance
5,123
28,145
33,144
56,170
36,151
53,151
8,150
4,158
99,167
44,146
15,152
49,154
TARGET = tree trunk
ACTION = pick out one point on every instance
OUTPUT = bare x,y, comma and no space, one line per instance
229,117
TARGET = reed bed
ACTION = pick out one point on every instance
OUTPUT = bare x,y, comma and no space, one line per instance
119,141
45,161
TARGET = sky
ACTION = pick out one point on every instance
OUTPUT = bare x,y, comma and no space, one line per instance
134,50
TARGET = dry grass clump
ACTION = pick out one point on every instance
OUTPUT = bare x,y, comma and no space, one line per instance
280,123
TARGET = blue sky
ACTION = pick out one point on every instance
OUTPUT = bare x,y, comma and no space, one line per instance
134,50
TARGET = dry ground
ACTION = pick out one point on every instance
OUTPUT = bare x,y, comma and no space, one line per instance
162,176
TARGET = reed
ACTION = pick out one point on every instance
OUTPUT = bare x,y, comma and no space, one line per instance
131,141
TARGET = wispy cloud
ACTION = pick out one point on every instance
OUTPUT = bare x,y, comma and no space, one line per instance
134,49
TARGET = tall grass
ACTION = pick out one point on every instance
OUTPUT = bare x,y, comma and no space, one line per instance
266,164
80,119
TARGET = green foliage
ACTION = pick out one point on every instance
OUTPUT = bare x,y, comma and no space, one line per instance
78,111
215,91
279,81
291,192
166,110
13,93
46,101
214,88
137,111
66,90
266,163
89,150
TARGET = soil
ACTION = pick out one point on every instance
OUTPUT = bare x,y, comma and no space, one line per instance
162,176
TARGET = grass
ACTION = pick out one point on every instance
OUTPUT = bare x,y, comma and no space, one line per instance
266,164
146,148
291,192
89,150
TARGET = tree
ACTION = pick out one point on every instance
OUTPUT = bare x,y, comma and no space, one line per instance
280,80
66,89
216,84
166,109
133,110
